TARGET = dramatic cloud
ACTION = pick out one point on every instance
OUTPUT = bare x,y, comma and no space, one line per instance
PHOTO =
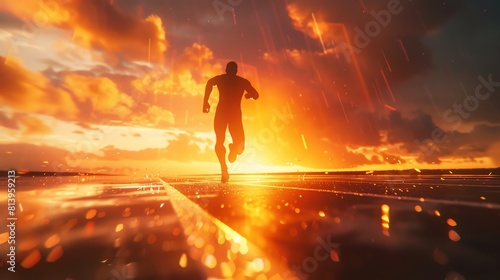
98,24
155,116
8,122
34,126
78,97
343,84
187,76
29,91
385,34
422,137
402,130
102,95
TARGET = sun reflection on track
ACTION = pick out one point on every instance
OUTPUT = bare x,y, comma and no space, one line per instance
221,249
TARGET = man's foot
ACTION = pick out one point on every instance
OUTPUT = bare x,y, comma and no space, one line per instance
232,153
225,176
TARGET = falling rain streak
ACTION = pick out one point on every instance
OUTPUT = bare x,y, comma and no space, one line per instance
318,32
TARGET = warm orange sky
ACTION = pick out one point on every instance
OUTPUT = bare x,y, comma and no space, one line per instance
115,86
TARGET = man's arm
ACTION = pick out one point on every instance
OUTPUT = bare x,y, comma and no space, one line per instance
208,91
251,92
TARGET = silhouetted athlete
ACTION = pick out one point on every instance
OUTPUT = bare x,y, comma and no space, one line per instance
228,113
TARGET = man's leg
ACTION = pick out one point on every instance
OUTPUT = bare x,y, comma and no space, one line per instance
238,136
220,125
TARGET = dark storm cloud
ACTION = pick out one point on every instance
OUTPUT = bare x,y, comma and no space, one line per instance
396,46
475,143
405,130
420,135
415,134
467,51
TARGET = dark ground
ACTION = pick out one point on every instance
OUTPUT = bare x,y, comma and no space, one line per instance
286,226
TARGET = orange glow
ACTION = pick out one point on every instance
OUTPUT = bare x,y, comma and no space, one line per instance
183,261
4,236
119,227
453,235
210,261
52,241
90,214
55,254
117,97
217,245
89,228
126,212
31,260
385,219
451,222
334,256
418,208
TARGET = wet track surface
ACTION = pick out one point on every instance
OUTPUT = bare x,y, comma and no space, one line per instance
255,227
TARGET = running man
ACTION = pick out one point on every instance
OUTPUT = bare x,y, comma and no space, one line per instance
228,113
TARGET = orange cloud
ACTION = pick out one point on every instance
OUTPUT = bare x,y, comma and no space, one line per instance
312,24
155,116
102,94
32,92
34,126
8,121
188,75
79,98
97,24
182,149
102,98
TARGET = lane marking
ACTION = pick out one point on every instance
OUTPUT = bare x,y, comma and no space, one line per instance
219,247
408,198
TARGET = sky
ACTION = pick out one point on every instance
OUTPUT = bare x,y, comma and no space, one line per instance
116,86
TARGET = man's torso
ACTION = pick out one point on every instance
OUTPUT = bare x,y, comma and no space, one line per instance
231,89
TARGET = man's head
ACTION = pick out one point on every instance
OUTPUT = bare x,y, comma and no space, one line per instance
231,68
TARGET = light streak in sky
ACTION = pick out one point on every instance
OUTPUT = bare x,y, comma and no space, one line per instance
318,32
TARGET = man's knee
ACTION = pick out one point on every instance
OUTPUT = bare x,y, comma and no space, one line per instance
219,146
